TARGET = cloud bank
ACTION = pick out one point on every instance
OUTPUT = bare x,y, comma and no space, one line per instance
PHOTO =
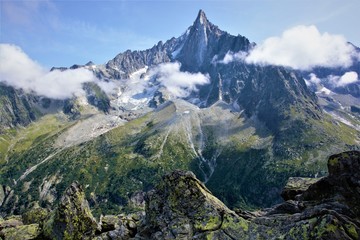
301,47
179,84
20,71
341,81
333,80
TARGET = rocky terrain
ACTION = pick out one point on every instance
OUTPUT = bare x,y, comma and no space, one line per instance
181,207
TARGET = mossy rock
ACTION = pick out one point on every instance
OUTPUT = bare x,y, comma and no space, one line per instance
24,232
35,215
296,186
183,207
11,221
72,219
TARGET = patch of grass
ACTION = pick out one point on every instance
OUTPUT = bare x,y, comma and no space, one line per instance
17,140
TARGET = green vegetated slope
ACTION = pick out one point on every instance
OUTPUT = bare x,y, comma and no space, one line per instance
235,156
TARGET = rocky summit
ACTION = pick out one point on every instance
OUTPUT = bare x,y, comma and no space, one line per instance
181,207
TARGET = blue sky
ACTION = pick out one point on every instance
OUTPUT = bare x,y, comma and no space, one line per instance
64,32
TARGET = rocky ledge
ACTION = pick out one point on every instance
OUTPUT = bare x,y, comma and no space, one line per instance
181,207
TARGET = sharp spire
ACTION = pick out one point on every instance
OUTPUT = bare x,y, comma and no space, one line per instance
201,18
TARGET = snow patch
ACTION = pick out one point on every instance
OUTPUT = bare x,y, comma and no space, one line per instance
136,92
324,90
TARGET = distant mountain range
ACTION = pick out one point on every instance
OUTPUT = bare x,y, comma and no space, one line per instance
242,128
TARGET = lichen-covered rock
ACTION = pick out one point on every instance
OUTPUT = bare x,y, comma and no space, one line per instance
181,207
36,215
11,221
296,186
109,222
342,185
327,209
22,232
72,219
118,227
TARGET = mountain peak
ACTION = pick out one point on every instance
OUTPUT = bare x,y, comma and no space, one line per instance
201,18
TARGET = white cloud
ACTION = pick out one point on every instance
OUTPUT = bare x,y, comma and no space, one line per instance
304,47
347,78
312,80
19,71
179,84
231,57
108,87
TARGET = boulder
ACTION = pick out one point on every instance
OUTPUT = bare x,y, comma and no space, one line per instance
118,227
21,232
35,215
342,185
296,186
11,221
181,207
72,219
109,223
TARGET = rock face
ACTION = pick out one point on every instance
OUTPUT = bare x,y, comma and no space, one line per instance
12,227
327,209
119,227
181,207
17,108
296,186
72,219
24,232
342,186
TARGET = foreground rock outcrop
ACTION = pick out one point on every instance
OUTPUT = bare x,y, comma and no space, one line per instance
181,207
72,219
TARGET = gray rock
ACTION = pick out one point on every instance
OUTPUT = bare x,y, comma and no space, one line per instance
296,186
2,195
72,219
10,222
181,207
23,232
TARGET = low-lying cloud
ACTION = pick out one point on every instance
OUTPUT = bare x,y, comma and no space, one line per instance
313,80
304,47
231,57
335,81
179,84
18,70
341,81
301,47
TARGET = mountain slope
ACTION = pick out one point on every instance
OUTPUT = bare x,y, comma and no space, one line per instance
17,107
